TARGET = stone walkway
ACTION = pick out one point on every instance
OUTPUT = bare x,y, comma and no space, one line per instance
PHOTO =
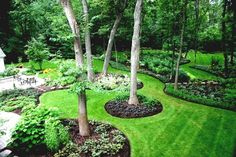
8,121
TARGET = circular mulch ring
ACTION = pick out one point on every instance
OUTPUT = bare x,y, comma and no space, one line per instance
93,125
123,110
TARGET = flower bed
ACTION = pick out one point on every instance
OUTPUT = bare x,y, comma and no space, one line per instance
113,82
216,94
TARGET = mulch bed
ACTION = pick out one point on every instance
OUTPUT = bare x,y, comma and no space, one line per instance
74,132
124,110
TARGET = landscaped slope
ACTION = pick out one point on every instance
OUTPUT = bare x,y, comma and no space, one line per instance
182,129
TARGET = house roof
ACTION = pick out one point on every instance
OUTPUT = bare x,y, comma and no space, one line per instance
2,54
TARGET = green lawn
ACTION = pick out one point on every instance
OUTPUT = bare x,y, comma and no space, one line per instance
202,59
183,129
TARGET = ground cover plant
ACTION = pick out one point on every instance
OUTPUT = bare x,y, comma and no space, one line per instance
9,71
159,62
18,100
212,93
105,140
119,107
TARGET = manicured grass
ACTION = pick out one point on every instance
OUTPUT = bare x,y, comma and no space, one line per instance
183,129
202,59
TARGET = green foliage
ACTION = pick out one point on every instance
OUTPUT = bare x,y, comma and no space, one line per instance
214,62
20,102
183,76
37,50
111,82
9,71
11,100
109,143
38,127
69,74
70,150
144,100
204,95
55,134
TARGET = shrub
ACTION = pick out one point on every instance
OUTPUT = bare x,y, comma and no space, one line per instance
215,62
37,129
37,50
55,134
183,76
9,71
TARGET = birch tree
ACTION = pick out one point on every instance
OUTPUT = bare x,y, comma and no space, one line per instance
135,51
119,13
83,119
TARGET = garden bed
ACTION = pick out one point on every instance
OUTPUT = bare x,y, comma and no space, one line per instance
119,107
217,71
113,82
210,93
153,62
104,140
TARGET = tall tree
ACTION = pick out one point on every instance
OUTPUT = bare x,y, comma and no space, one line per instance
83,119
181,44
196,8
75,30
135,51
119,13
233,31
223,36
88,41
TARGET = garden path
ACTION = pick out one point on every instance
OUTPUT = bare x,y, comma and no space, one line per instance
8,122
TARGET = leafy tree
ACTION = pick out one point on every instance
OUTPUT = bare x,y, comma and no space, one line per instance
37,50
88,41
119,6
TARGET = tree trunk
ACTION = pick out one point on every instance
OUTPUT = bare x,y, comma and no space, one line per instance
233,40
75,30
83,118
135,50
88,41
196,6
181,46
224,38
110,44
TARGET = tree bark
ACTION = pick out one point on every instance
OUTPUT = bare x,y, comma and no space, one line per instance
135,50
88,41
196,6
233,40
110,43
83,118
181,46
224,38
75,30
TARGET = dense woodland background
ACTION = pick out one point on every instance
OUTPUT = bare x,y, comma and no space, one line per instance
209,25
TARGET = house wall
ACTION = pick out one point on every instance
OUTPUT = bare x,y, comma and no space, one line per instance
2,65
